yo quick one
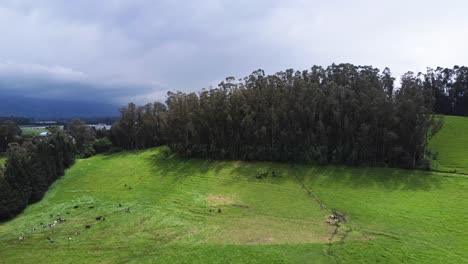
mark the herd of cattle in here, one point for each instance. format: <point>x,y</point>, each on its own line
<point>60,220</point>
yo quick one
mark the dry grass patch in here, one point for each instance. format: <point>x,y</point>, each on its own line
<point>271,230</point>
<point>220,200</point>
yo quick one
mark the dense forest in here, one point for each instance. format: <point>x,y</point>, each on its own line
<point>449,90</point>
<point>34,163</point>
<point>31,168</point>
<point>9,132</point>
<point>342,114</point>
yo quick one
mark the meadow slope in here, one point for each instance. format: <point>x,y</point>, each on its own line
<point>159,208</point>
<point>451,145</point>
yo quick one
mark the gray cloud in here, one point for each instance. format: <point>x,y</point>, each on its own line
<point>125,50</point>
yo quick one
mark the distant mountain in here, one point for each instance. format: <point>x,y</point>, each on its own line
<point>11,105</point>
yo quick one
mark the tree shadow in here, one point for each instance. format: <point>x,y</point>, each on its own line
<point>364,177</point>
<point>178,168</point>
<point>167,164</point>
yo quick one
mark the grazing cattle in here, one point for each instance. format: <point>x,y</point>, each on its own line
<point>219,210</point>
<point>21,238</point>
<point>120,205</point>
<point>69,238</point>
<point>76,206</point>
<point>44,226</point>
<point>91,207</point>
<point>99,218</point>
<point>68,213</point>
<point>33,229</point>
<point>77,233</point>
<point>127,210</point>
<point>88,227</point>
<point>50,216</point>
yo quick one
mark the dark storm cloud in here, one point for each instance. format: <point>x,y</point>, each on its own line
<point>125,50</point>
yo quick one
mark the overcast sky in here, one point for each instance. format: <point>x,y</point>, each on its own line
<point>122,50</point>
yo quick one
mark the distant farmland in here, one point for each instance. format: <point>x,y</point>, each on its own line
<point>33,130</point>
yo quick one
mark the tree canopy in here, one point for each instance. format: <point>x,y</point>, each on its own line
<point>341,114</point>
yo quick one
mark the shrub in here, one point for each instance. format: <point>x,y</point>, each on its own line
<point>102,145</point>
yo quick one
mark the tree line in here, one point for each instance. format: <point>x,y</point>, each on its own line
<point>9,132</point>
<point>30,169</point>
<point>341,114</point>
<point>449,89</point>
<point>34,163</point>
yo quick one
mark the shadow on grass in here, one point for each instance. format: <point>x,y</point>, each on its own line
<point>178,168</point>
<point>383,178</point>
<point>167,164</point>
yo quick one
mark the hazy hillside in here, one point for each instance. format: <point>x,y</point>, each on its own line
<point>43,108</point>
<point>159,208</point>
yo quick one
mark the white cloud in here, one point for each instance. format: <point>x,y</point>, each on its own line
<point>178,45</point>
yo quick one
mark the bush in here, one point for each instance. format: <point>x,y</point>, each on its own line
<point>102,145</point>
<point>86,151</point>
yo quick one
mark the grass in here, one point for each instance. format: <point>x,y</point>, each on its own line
<point>3,159</point>
<point>405,217</point>
<point>451,145</point>
<point>393,215</point>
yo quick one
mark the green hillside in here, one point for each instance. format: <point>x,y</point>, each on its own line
<point>159,208</point>
<point>451,145</point>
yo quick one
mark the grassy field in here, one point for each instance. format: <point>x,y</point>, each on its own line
<point>32,131</point>
<point>161,209</point>
<point>451,145</point>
